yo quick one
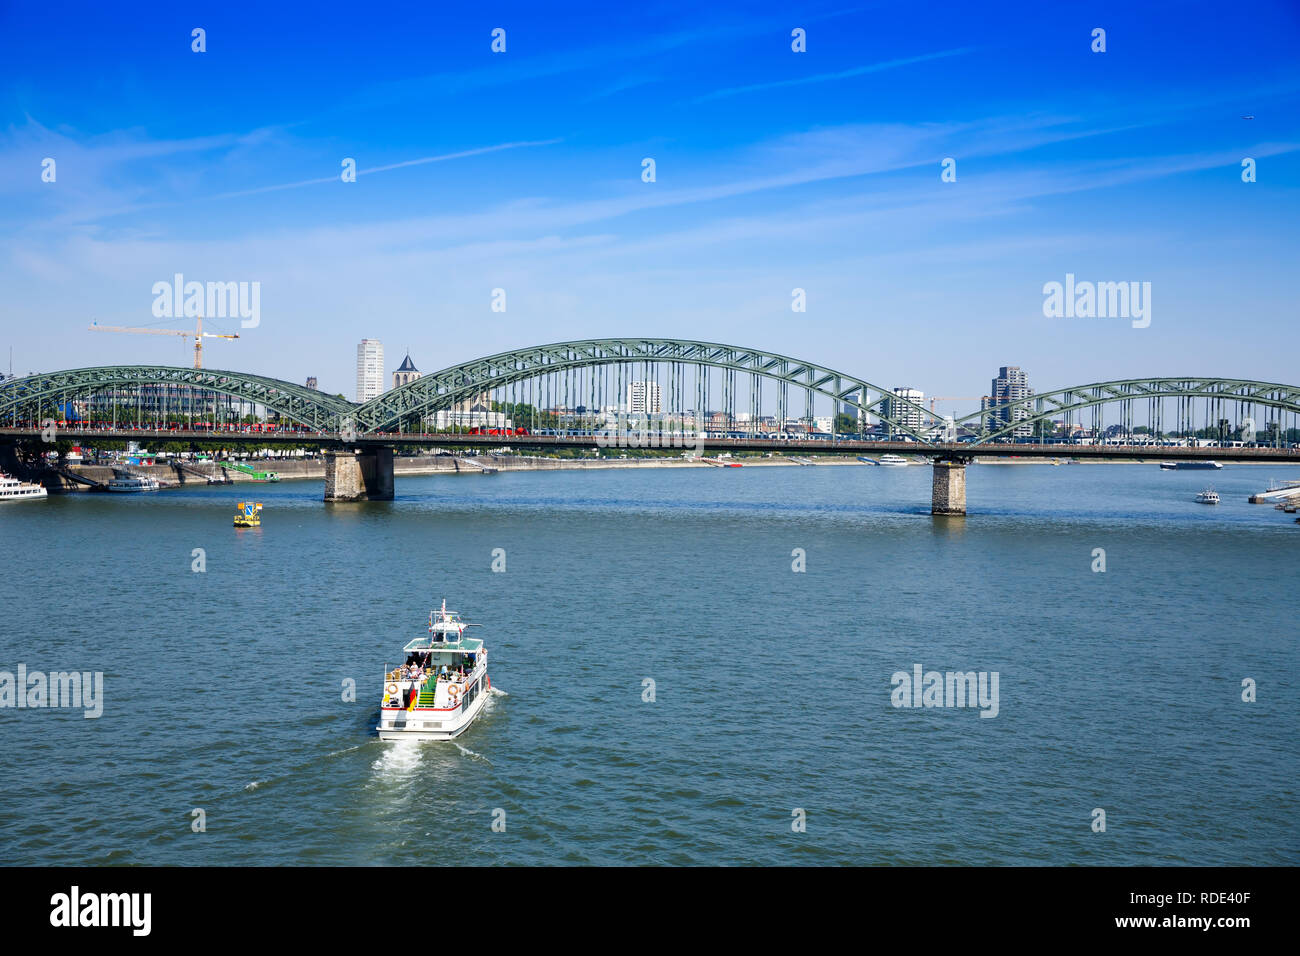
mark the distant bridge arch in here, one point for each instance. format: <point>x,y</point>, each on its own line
<point>1223,394</point>
<point>35,396</point>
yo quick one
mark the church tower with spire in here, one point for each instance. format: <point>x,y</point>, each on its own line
<point>406,372</point>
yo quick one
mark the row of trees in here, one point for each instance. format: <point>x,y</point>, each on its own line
<point>34,447</point>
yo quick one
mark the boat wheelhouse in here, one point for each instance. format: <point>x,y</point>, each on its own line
<point>441,687</point>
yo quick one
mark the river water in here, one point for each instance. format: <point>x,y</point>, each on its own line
<point>771,737</point>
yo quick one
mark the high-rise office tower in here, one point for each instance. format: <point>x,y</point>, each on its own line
<point>370,369</point>
<point>912,417</point>
<point>643,398</point>
<point>1010,385</point>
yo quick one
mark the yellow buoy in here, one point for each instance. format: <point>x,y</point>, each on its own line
<point>249,515</point>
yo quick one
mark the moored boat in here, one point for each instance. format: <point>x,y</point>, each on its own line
<point>893,460</point>
<point>442,686</point>
<point>133,483</point>
<point>11,489</point>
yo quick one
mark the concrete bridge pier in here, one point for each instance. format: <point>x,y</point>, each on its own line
<point>359,474</point>
<point>948,496</point>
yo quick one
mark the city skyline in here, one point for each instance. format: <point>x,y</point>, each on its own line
<point>775,171</point>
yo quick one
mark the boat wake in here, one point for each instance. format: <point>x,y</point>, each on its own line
<point>469,753</point>
<point>399,758</point>
<point>345,750</point>
<point>497,692</point>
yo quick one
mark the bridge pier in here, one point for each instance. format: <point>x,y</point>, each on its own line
<point>359,475</point>
<point>948,495</point>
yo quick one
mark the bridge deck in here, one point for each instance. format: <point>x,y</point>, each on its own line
<point>952,450</point>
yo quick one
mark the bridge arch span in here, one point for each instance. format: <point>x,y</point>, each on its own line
<point>1224,394</point>
<point>34,396</point>
<point>445,389</point>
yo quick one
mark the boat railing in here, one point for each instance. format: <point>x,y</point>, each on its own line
<point>429,681</point>
<point>401,674</point>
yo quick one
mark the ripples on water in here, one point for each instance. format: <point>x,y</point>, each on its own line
<point>224,689</point>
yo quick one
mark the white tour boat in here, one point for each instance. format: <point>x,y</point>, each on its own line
<point>894,460</point>
<point>11,489</point>
<point>442,686</point>
<point>132,483</point>
<point>1208,497</point>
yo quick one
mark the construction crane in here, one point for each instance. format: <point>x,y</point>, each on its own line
<point>198,333</point>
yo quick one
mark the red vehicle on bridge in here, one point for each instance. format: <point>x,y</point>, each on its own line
<point>476,430</point>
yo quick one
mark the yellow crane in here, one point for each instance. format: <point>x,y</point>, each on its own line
<point>198,333</point>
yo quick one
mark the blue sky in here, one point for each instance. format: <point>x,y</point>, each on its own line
<point>775,170</point>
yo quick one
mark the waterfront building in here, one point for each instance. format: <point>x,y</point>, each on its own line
<point>370,369</point>
<point>467,404</point>
<point>477,416</point>
<point>912,417</point>
<point>154,403</point>
<point>643,398</point>
<point>1010,385</point>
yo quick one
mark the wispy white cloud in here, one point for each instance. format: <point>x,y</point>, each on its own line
<point>516,70</point>
<point>421,161</point>
<point>830,77</point>
<point>741,222</point>
<point>94,158</point>
<point>103,178</point>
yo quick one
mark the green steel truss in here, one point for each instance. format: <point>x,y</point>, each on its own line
<point>442,390</point>
<point>28,399</point>
<point>1064,403</point>
<point>31,397</point>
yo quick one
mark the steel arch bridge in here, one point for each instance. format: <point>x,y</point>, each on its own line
<point>32,398</point>
<point>1003,420</point>
<point>460,383</point>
